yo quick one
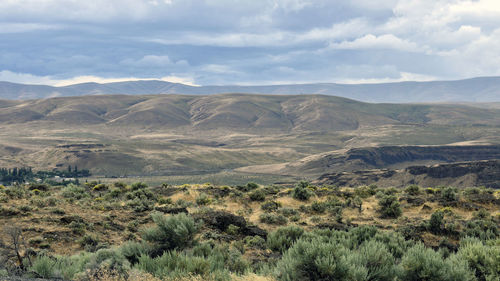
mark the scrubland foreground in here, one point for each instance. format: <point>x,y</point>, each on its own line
<point>115,231</point>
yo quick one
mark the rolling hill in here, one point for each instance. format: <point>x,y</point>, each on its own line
<point>482,89</point>
<point>195,134</point>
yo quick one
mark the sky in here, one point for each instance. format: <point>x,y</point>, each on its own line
<point>248,42</point>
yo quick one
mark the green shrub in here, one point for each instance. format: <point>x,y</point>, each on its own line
<point>288,212</point>
<point>365,191</point>
<point>138,186</point>
<point>100,187</point>
<point>255,242</point>
<point>233,229</point>
<point>74,191</point>
<point>257,195</point>
<point>389,206</point>
<point>282,238</point>
<point>374,261</point>
<point>421,263</point>
<point>203,199</point>
<point>413,189</point>
<point>252,185</point>
<point>173,232</point>
<point>248,187</point>
<point>132,251</point>
<point>270,206</point>
<point>436,222</point>
<point>483,259</point>
<point>449,194</point>
<point>43,267</point>
<point>318,207</point>
<point>302,192</point>
<point>273,219</point>
<point>315,259</point>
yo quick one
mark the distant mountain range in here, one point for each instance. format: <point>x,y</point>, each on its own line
<point>482,89</point>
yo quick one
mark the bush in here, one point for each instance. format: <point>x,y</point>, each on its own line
<point>301,191</point>
<point>389,206</point>
<point>100,187</point>
<point>174,232</point>
<point>436,222</point>
<point>210,263</point>
<point>421,263</point>
<point>255,242</point>
<point>138,186</point>
<point>314,259</point>
<point>273,219</point>
<point>270,206</point>
<point>413,189</point>
<point>203,199</point>
<point>257,195</point>
<point>318,207</point>
<point>365,191</point>
<point>374,261</point>
<point>248,187</point>
<point>283,238</point>
<point>74,191</point>
<point>449,194</point>
<point>482,259</point>
<point>43,267</point>
<point>132,251</point>
<point>288,212</point>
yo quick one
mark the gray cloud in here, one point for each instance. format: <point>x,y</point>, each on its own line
<point>249,42</point>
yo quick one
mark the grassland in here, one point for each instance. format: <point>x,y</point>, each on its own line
<point>244,232</point>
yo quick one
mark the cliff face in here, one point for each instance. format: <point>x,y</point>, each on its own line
<point>391,157</point>
<point>463,174</point>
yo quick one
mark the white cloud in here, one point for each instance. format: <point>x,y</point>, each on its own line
<point>8,27</point>
<point>25,78</point>
<point>386,41</point>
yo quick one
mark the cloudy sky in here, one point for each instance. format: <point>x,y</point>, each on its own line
<point>248,42</point>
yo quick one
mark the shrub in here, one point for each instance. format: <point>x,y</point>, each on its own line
<point>318,207</point>
<point>482,259</point>
<point>283,238</point>
<point>389,206</point>
<point>449,194</point>
<point>74,191</point>
<point>248,187</point>
<point>174,232</point>
<point>252,185</point>
<point>132,251</point>
<point>374,261</point>
<point>421,263</point>
<point>270,206</point>
<point>232,229</point>
<point>436,222</point>
<point>413,189</point>
<point>301,191</point>
<point>255,242</point>
<point>203,199</point>
<point>315,260</point>
<point>365,191</point>
<point>288,212</point>
<point>273,219</point>
<point>138,186</point>
<point>100,187</point>
<point>257,195</point>
<point>43,267</point>
<point>39,186</point>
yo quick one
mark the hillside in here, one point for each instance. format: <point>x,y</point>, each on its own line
<point>180,134</point>
<point>368,158</point>
<point>463,174</point>
<point>482,89</point>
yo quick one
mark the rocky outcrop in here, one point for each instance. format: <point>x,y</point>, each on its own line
<point>462,174</point>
